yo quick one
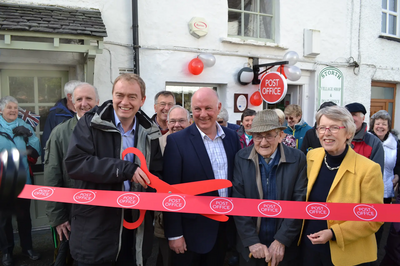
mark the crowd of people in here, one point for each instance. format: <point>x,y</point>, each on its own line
<point>272,155</point>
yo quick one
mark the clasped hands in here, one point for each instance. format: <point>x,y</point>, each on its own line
<point>274,253</point>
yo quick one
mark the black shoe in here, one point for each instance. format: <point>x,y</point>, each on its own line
<point>7,260</point>
<point>33,255</point>
<point>233,260</point>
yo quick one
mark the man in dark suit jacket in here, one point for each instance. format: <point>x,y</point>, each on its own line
<point>205,150</point>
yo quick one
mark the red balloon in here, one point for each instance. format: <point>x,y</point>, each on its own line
<point>256,99</point>
<point>281,70</point>
<point>196,66</point>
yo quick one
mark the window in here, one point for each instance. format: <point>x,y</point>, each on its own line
<point>251,19</point>
<point>183,94</point>
<point>35,91</point>
<point>390,15</point>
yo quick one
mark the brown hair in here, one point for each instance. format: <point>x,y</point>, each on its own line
<point>293,109</point>
<point>132,78</point>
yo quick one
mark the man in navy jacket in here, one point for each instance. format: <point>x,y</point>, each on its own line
<point>203,151</point>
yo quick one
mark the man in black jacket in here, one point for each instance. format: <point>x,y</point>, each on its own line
<point>94,161</point>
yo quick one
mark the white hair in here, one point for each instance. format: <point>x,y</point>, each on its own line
<point>6,100</point>
<point>179,107</point>
<point>80,84</point>
<point>70,86</point>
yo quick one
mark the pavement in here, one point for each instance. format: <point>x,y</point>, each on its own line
<point>42,243</point>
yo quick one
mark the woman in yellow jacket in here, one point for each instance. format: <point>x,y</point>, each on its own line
<point>336,173</point>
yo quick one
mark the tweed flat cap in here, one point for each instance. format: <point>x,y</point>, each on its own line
<point>264,121</point>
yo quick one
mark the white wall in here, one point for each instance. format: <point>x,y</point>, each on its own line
<point>168,47</point>
<point>349,31</point>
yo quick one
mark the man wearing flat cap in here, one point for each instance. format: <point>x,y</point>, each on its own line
<point>270,171</point>
<point>365,143</point>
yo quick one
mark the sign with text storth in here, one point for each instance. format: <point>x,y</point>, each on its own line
<point>330,86</point>
<point>273,87</point>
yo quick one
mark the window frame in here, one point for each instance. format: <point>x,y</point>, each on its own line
<point>387,13</point>
<point>195,87</point>
<point>5,89</point>
<point>274,26</point>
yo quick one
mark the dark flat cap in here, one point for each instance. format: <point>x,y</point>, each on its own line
<point>356,107</point>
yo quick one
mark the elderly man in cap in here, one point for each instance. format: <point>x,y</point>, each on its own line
<point>365,143</point>
<point>268,170</point>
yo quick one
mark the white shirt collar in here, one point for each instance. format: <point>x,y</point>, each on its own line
<point>220,132</point>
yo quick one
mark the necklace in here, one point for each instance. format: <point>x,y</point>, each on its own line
<point>330,168</point>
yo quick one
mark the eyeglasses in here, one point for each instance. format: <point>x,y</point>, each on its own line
<point>163,104</point>
<point>259,137</point>
<point>220,121</point>
<point>180,121</point>
<point>332,129</point>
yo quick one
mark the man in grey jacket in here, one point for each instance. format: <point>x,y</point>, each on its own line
<point>271,171</point>
<point>94,162</point>
<point>84,98</point>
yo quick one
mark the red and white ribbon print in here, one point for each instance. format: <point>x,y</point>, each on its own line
<point>215,205</point>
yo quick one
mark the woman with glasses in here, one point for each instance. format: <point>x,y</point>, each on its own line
<point>296,125</point>
<point>336,173</point>
<point>288,140</point>
<point>271,171</point>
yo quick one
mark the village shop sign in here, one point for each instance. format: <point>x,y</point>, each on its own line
<point>330,86</point>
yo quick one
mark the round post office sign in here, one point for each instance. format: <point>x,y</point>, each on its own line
<point>273,87</point>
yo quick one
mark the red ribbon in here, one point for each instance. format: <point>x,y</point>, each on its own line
<point>207,205</point>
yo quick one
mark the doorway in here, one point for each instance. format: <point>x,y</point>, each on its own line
<point>383,97</point>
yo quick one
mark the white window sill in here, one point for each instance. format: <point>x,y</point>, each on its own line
<point>253,42</point>
<point>389,37</point>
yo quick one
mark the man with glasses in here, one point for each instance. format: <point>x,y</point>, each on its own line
<point>178,119</point>
<point>268,170</point>
<point>163,101</point>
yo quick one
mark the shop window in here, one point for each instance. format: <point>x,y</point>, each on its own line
<point>390,20</point>
<point>183,93</point>
<point>252,19</point>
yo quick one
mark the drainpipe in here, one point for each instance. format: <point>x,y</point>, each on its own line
<point>135,31</point>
